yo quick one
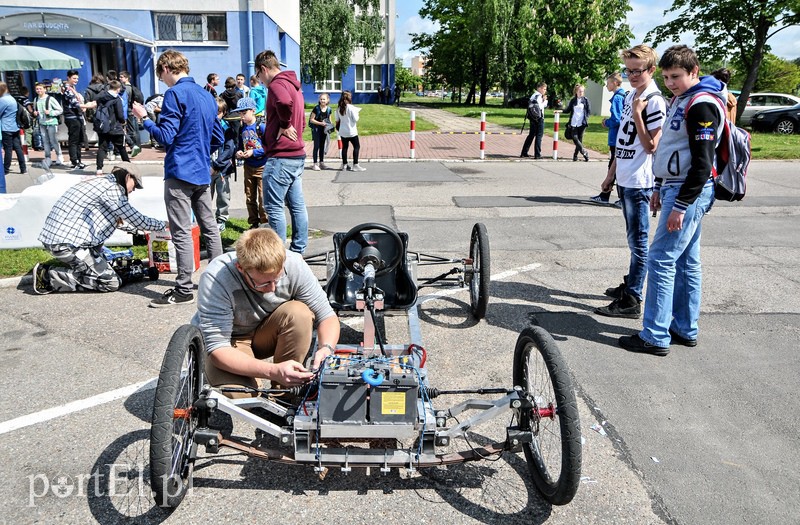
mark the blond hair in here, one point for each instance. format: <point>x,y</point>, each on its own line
<point>173,61</point>
<point>616,78</point>
<point>642,52</point>
<point>262,250</point>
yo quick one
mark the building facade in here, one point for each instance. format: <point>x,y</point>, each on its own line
<point>363,77</point>
<point>219,36</point>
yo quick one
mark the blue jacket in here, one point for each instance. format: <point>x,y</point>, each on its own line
<point>259,94</point>
<point>8,113</point>
<point>189,130</point>
<point>617,101</point>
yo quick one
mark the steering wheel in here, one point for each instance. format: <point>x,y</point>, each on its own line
<point>368,251</point>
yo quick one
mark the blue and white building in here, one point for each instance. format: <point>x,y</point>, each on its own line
<point>217,36</point>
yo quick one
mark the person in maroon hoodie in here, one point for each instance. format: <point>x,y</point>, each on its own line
<point>284,149</point>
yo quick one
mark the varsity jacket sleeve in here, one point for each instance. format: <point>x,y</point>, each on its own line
<point>703,123</point>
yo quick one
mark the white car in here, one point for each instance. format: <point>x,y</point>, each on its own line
<point>761,101</point>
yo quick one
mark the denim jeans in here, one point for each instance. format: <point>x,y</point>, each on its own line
<point>636,210</point>
<point>673,283</point>
<point>13,144</point>
<point>283,183</point>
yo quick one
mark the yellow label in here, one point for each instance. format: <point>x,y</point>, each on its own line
<point>393,403</point>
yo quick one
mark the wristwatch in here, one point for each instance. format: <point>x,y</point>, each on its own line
<point>328,346</point>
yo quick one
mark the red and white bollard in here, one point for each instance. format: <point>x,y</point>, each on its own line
<point>24,144</point>
<point>412,134</point>
<point>339,141</point>
<point>483,134</point>
<point>556,115</point>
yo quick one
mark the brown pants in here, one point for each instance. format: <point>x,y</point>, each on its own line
<point>254,195</point>
<point>284,335</point>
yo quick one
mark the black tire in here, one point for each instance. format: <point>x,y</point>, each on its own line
<point>152,273</point>
<point>481,271</point>
<point>786,126</point>
<point>172,447</point>
<point>554,456</point>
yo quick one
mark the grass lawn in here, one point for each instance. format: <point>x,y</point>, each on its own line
<point>378,119</point>
<point>764,145</point>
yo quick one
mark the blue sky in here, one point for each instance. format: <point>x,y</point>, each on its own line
<point>646,14</point>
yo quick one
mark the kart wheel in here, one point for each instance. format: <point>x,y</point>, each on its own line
<point>152,273</point>
<point>785,126</point>
<point>479,280</point>
<point>172,447</point>
<point>554,455</point>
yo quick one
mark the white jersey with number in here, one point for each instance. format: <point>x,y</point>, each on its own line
<point>634,165</point>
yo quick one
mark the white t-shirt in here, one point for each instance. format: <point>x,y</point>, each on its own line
<point>347,126</point>
<point>634,165</point>
<point>577,113</point>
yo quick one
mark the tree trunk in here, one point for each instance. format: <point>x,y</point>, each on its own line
<point>753,66</point>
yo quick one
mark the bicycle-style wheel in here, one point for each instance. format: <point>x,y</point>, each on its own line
<point>554,455</point>
<point>481,270</point>
<point>172,446</point>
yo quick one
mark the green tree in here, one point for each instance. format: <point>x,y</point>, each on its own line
<point>578,40</point>
<point>777,75</point>
<point>332,30</point>
<point>403,77</point>
<point>739,29</point>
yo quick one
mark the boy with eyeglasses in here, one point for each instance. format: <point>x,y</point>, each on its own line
<point>639,132</point>
<point>260,302</point>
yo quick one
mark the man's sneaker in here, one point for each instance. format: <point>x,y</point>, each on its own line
<point>618,204</point>
<point>41,279</point>
<point>110,156</point>
<point>678,339</point>
<point>599,199</point>
<point>347,167</point>
<point>634,343</point>
<point>315,167</point>
<point>322,166</point>
<point>357,167</point>
<point>135,150</point>
<point>628,307</point>
<point>616,292</point>
<point>78,166</point>
<point>221,226</point>
<point>172,297</point>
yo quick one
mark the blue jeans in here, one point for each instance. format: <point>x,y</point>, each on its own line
<point>283,183</point>
<point>636,210</point>
<point>673,283</point>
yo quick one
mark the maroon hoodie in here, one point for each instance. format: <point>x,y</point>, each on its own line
<point>285,106</point>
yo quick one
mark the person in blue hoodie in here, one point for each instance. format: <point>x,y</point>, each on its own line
<point>189,130</point>
<point>613,85</point>
<point>684,193</point>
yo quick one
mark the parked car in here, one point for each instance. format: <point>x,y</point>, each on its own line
<point>761,101</point>
<point>780,120</point>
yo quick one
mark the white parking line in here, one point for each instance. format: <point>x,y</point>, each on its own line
<point>113,395</point>
<point>75,406</point>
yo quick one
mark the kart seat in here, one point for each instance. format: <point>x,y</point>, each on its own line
<point>399,288</point>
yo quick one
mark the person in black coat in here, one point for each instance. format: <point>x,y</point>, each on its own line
<point>117,117</point>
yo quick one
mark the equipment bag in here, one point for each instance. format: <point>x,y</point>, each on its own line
<point>102,119</point>
<point>534,112</point>
<point>733,158</point>
<point>24,118</point>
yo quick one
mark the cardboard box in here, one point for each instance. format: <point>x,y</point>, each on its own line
<point>161,250</point>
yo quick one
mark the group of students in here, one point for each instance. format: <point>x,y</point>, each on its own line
<point>321,123</point>
<point>663,155</point>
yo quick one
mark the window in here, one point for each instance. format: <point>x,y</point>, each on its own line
<point>332,83</point>
<point>368,78</point>
<point>185,27</point>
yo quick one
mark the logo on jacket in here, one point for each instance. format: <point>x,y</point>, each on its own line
<point>705,131</point>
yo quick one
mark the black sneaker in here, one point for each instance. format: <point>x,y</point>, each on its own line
<point>634,343</point>
<point>616,292</point>
<point>172,297</point>
<point>678,339</point>
<point>41,279</point>
<point>627,306</point>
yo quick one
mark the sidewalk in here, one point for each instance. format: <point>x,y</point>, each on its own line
<point>458,138</point>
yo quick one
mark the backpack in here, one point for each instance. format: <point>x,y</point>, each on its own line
<point>24,118</point>
<point>60,116</point>
<point>102,119</point>
<point>733,158</point>
<point>534,113</point>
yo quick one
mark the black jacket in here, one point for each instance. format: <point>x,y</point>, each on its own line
<point>117,114</point>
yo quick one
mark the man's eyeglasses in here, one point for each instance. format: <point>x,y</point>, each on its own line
<point>634,72</point>
<point>266,284</point>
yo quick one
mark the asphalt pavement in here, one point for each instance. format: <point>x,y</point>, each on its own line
<point>704,435</point>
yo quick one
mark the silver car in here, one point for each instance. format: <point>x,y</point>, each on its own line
<point>761,101</point>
